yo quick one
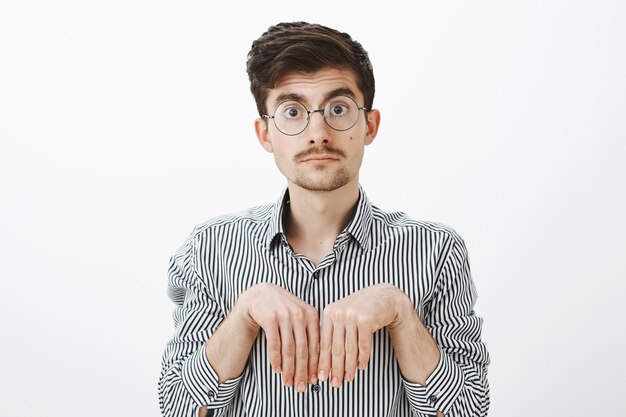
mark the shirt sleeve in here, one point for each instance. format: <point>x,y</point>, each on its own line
<point>188,381</point>
<point>458,386</point>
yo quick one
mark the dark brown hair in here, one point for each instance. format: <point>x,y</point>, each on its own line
<point>304,47</point>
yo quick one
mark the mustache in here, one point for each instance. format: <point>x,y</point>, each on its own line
<point>321,150</point>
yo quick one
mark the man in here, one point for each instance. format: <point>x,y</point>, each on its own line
<point>321,304</point>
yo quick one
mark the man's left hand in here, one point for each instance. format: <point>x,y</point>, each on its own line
<point>347,328</point>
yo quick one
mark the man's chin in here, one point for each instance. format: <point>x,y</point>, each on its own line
<point>327,184</point>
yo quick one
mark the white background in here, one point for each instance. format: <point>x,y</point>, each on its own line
<point>124,123</point>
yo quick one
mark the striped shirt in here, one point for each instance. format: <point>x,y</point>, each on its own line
<point>227,255</point>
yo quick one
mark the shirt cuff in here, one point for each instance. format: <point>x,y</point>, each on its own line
<point>201,382</point>
<point>442,388</point>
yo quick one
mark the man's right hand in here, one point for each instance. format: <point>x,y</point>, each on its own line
<point>291,328</point>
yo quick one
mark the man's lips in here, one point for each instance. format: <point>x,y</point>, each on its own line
<point>320,157</point>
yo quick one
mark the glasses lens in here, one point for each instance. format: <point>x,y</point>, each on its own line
<point>291,117</point>
<point>341,113</point>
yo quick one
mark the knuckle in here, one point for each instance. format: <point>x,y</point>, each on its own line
<point>272,316</point>
<point>363,319</point>
<point>302,352</point>
<point>273,349</point>
<point>298,315</point>
<point>289,349</point>
<point>338,315</point>
<point>273,343</point>
<point>302,372</point>
<point>362,361</point>
<point>338,351</point>
<point>288,367</point>
<point>364,343</point>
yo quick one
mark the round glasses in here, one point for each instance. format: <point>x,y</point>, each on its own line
<point>291,117</point>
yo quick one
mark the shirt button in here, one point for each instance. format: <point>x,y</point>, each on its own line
<point>316,274</point>
<point>211,395</point>
<point>433,398</point>
<point>315,388</point>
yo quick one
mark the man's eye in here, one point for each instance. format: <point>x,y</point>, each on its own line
<point>338,109</point>
<point>292,112</point>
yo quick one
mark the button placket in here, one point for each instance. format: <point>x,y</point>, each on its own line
<point>313,399</point>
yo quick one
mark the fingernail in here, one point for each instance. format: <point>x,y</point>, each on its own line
<point>288,382</point>
<point>346,377</point>
<point>301,386</point>
<point>322,375</point>
<point>335,382</point>
<point>312,379</point>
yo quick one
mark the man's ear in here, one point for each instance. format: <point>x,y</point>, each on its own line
<point>263,134</point>
<point>373,122</point>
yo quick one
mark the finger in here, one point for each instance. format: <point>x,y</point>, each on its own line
<point>351,348</point>
<point>365,347</point>
<point>272,336</point>
<point>313,337</point>
<point>338,356</point>
<point>326,340</point>
<point>301,375</point>
<point>288,352</point>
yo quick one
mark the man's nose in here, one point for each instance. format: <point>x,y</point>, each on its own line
<point>318,130</point>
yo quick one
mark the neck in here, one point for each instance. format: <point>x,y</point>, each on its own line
<point>313,219</point>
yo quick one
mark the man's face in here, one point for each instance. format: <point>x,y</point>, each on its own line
<point>319,158</point>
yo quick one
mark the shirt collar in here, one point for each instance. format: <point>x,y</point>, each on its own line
<point>358,227</point>
<point>275,226</point>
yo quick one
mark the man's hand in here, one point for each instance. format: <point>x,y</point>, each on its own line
<point>296,348</point>
<point>347,328</point>
<point>291,328</point>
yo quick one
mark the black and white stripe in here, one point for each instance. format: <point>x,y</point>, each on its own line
<point>226,255</point>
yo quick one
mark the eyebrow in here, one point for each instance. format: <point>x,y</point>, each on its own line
<point>332,94</point>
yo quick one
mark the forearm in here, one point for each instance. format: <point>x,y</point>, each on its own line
<point>229,347</point>
<point>419,358</point>
<point>415,349</point>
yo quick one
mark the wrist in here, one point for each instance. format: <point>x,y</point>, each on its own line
<point>404,311</point>
<point>241,312</point>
